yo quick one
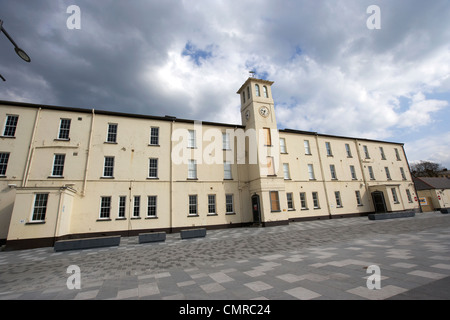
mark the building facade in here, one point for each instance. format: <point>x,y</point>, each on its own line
<point>71,173</point>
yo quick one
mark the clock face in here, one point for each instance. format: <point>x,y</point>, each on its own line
<point>264,111</point>
<point>247,114</point>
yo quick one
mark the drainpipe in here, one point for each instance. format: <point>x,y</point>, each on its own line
<point>362,171</point>
<point>30,150</point>
<point>88,155</point>
<point>323,177</point>
<point>171,178</point>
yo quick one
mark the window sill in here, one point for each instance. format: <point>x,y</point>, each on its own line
<point>8,137</point>
<point>103,219</point>
<point>110,142</point>
<point>212,214</point>
<point>151,218</point>
<point>135,218</point>
<point>316,208</point>
<point>304,209</point>
<point>106,177</point>
<point>275,210</point>
<point>228,179</point>
<point>61,139</point>
<point>35,222</point>
<point>230,213</point>
<point>192,215</point>
<point>153,145</point>
<point>55,177</point>
<point>192,179</point>
<point>152,178</point>
<point>121,218</point>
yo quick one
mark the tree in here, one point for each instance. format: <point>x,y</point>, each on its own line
<point>426,169</point>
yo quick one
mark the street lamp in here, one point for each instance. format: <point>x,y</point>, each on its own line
<point>22,54</point>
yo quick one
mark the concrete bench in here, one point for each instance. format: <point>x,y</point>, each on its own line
<point>193,233</point>
<point>391,215</point>
<point>152,237</point>
<point>86,243</point>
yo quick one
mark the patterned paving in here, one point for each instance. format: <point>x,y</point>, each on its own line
<point>323,259</point>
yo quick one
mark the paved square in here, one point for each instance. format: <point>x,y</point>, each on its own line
<point>322,259</point>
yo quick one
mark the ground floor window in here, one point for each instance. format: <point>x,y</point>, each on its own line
<point>193,205</point>
<point>151,208</point>
<point>137,206</point>
<point>40,207</point>
<point>229,203</point>
<point>290,201</point>
<point>105,207</point>
<point>211,203</point>
<point>274,201</point>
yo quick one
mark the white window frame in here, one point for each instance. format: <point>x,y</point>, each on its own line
<point>58,166</point>
<point>152,206</point>
<point>353,172</point>
<point>358,198</point>
<point>227,174</point>
<point>136,206</point>
<point>39,206</point>
<point>303,201</point>
<point>316,203</point>
<point>9,130</point>
<point>108,166</point>
<point>192,142</point>
<point>105,211</point>
<point>307,147</point>
<point>212,209</point>
<point>328,147</point>
<point>283,145</point>
<point>290,202</point>
<point>228,203</point>
<point>154,136</point>
<point>64,131</point>
<point>337,195</point>
<point>333,172</point>
<point>192,169</point>
<point>4,159</point>
<point>311,172</point>
<point>153,168</point>
<point>193,205</point>
<point>111,137</point>
<point>122,206</point>
<point>287,175</point>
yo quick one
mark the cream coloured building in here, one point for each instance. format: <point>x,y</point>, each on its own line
<point>71,173</point>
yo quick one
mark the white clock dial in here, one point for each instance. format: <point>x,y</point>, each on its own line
<point>264,111</point>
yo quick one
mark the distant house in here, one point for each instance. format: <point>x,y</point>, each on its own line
<point>434,192</point>
<point>444,173</point>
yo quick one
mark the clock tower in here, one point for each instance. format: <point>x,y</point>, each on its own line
<point>257,107</point>
<point>265,178</point>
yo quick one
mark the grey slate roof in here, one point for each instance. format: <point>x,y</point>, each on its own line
<point>427,183</point>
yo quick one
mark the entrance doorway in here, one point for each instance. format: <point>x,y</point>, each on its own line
<point>378,202</point>
<point>256,209</point>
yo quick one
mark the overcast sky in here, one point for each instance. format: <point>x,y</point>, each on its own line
<point>187,59</point>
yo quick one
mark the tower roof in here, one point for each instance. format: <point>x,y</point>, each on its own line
<point>254,80</point>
